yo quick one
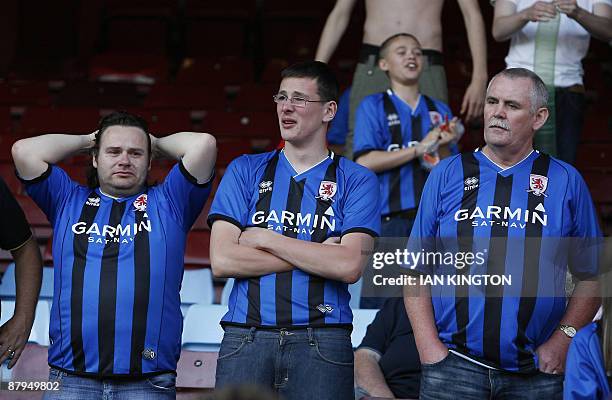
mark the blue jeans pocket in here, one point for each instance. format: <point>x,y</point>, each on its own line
<point>336,352</point>
<point>438,362</point>
<point>165,381</point>
<point>231,345</point>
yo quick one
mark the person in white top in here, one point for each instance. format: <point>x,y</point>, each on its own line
<point>521,20</point>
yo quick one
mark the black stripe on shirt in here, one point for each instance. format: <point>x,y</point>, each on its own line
<point>465,238</point>
<point>107,303</point>
<point>284,280</point>
<point>263,205</point>
<point>79,249</point>
<point>395,202</point>
<point>142,286</point>
<point>316,284</point>
<point>496,265</point>
<point>531,270</point>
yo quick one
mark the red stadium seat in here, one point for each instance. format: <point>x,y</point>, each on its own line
<point>594,156</point>
<point>129,67</point>
<point>7,171</point>
<point>255,97</point>
<point>197,252</point>
<point>78,170</point>
<point>299,25</point>
<point>272,71</point>
<point>206,21</point>
<point>158,172</point>
<point>229,149</point>
<point>599,185</point>
<point>200,222</point>
<point>597,124</point>
<point>245,125</point>
<point>229,70</point>
<point>164,122</point>
<point>139,26</point>
<point>6,142</point>
<point>37,219</point>
<point>25,94</point>
<point>100,94</point>
<point>6,123</point>
<point>39,120</point>
<point>186,97</point>
<point>47,253</point>
<point>196,370</point>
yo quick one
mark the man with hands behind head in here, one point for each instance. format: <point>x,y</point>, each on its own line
<point>118,250</point>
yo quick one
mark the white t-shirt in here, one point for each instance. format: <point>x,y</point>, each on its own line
<point>572,45</point>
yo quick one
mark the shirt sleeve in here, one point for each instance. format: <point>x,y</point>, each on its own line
<point>586,241</point>
<point>50,191</point>
<point>368,130</point>
<point>581,377</point>
<point>15,230</point>
<point>339,126</point>
<point>362,203</point>
<point>185,195</point>
<point>377,333</point>
<point>232,198</point>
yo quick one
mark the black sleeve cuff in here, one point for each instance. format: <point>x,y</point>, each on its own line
<point>215,217</point>
<point>192,179</point>
<point>41,178</point>
<point>362,230</point>
<point>360,153</point>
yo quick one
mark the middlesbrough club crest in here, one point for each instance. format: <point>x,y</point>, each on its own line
<point>436,118</point>
<point>537,184</point>
<point>327,190</point>
<point>140,204</point>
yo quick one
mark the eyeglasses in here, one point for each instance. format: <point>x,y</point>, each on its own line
<point>295,101</point>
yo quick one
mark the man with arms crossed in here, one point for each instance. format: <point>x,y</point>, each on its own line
<point>118,250</point>
<point>494,341</point>
<point>276,220</point>
<point>422,18</point>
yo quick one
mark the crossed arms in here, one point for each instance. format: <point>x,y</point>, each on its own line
<point>259,251</point>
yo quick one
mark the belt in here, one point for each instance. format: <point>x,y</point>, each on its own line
<point>434,57</point>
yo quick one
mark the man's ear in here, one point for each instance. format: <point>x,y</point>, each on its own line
<point>331,107</point>
<point>94,162</point>
<point>541,116</point>
<point>383,65</point>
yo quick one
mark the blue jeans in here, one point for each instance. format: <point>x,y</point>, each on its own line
<point>457,378</point>
<point>75,387</point>
<point>312,363</point>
